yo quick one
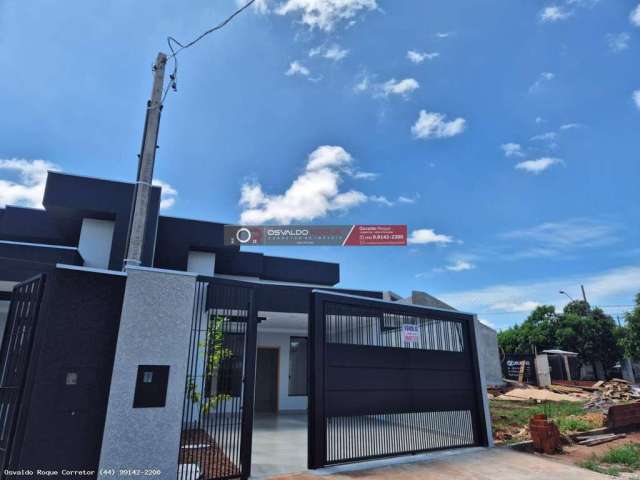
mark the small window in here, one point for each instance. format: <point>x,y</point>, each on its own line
<point>147,377</point>
<point>298,366</point>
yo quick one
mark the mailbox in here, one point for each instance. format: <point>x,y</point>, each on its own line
<point>151,386</point>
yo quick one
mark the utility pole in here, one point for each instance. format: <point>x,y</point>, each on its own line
<point>142,193</point>
<point>584,295</point>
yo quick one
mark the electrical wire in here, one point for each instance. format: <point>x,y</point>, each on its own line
<point>171,41</point>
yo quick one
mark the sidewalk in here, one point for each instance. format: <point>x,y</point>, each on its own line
<point>478,464</point>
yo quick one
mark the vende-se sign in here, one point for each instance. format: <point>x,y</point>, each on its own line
<point>346,235</point>
<point>410,333</point>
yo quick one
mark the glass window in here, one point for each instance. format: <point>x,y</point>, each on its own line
<point>298,366</point>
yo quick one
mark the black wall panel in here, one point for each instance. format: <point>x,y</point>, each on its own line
<point>70,370</point>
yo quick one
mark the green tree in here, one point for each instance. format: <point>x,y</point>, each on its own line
<point>631,339</point>
<point>589,332</point>
<point>537,332</point>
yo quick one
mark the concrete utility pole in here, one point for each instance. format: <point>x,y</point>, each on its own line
<point>146,161</point>
<point>584,295</point>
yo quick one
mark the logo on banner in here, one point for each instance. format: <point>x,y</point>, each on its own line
<point>410,333</point>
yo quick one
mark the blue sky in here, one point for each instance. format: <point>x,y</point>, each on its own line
<point>505,134</point>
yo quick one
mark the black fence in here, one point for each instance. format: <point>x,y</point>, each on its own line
<point>520,368</point>
<point>14,362</point>
<point>217,418</point>
<point>389,379</point>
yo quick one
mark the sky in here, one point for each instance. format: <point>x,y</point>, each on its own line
<point>504,134</point>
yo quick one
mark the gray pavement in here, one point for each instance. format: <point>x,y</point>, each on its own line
<point>279,444</point>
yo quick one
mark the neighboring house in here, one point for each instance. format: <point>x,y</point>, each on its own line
<point>79,241</point>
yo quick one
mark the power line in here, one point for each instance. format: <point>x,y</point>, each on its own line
<point>171,41</point>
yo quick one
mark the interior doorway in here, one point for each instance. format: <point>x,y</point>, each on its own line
<point>266,396</point>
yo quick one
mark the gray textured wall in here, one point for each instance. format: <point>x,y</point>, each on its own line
<point>154,330</point>
<point>490,355</point>
<point>479,329</point>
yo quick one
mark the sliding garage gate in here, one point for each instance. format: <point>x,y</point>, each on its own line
<point>389,379</point>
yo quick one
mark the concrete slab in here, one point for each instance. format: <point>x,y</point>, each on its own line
<point>469,464</point>
<point>279,444</point>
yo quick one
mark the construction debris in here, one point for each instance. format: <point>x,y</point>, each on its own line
<point>611,393</point>
<point>592,440</point>
<point>539,394</point>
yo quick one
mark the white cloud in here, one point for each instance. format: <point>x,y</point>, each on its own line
<point>567,235</point>
<point>423,236</point>
<point>610,286</point>
<point>334,52</point>
<point>358,175</point>
<point>328,156</point>
<point>554,13</point>
<point>419,57</point>
<point>390,203</point>
<point>168,196</point>
<point>512,149</point>
<point>405,199</point>
<point>434,125</point>
<point>28,188</point>
<point>381,199</point>
<point>634,16</point>
<point>363,85</point>
<point>636,98</point>
<point>526,306</point>
<point>403,87</point>
<point>442,34</point>
<point>539,165</point>
<point>325,14</point>
<point>296,68</point>
<point>570,126</point>
<point>618,42</point>
<point>542,79</point>
<point>548,136</point>
<point>313,194</point>
<point>460,266</point>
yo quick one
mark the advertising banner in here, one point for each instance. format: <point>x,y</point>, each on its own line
<point>344,235</point>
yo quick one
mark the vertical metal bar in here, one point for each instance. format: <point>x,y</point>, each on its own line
<point>317,426</point>
<point>249,385</point>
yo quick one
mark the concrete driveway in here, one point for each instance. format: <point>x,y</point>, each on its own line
<point>469,464</point>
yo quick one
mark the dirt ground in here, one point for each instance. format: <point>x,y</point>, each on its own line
<point>576,454</point>
<point>511,418</point>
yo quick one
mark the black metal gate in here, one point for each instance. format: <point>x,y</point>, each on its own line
<point>217,417</point>
<point>14,361</point>
<point>389,379</point>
